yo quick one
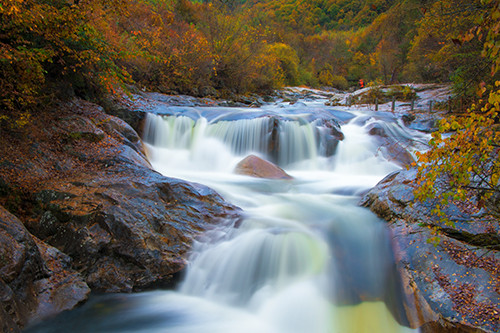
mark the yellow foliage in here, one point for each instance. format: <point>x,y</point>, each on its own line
<point>468,160</point>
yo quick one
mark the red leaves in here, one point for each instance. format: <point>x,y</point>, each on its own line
<point>479,312</point>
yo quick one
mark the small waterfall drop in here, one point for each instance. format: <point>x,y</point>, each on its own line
<point>283,141</point>
<point>241,269</point>
<point>243,136</point>
<point>359,154</point>
<point>297,142</point>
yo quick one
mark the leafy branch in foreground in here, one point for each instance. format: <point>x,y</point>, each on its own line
<point>464,166</point>
<point>48,44</point>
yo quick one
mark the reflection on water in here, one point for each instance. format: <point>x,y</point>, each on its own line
<point>305,259</point>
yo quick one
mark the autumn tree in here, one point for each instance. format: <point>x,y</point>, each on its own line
<point>287,61</point>
<point>439,54</point>
<point>233,45</point>
<point>166,52</point>
<point>464,168</point>
<point>49,48</point>
<point>330,52</point>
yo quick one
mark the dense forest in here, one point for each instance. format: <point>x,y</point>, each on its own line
<point>61,48</point>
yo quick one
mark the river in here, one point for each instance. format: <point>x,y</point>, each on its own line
<point>305,258</point>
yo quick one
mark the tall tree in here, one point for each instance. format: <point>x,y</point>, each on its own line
<point>46,45</point>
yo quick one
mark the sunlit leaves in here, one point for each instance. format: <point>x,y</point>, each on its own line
<point>463,166</point>
<point>490,23</point>
<point>444,49</point>
<point>234,46</point>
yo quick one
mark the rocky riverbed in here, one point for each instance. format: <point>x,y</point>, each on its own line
<point>81,209</point>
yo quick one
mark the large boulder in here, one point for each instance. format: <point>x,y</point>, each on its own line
<point>36,280</point>
<point>454,283</point>
<point>128,227</point>
<point>257,167</point>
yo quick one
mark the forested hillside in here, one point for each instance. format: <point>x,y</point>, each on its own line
<point>61,48</point>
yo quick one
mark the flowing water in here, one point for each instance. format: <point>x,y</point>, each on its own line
<point>306,258</point>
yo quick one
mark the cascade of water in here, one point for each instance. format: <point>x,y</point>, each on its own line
<point>358,154</point>
<point>243,136</point>
<point>297,140</point>
<point>299,240</point>
<point>233,271</point>
<point>305,259</point>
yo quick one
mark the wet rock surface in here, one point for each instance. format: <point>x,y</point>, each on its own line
<point>36,280</point>
<point>421,121</point>
<point>127,229</point>
<point>391,148</point>
<point>20,266</point>
<point>86,200</point>
<point>454,284</point>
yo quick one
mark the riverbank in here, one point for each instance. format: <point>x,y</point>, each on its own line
<point>455,281</point>
<point>83,209</point>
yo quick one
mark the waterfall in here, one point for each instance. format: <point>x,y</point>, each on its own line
<point>306,258</point>
<point>358,154</point>
<point>235,271</point>
<point>283,141</point>
<point>304,242</point>
<point>297,142</point>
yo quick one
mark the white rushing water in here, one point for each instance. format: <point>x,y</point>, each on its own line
<point>305,259</point>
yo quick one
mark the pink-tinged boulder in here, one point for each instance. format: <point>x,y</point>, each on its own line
<point>257,167</point>
<point>452,286</point>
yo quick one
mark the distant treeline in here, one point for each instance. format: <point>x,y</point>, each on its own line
<point>57,48</point>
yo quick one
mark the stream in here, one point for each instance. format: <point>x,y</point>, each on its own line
<point>305,258</point>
